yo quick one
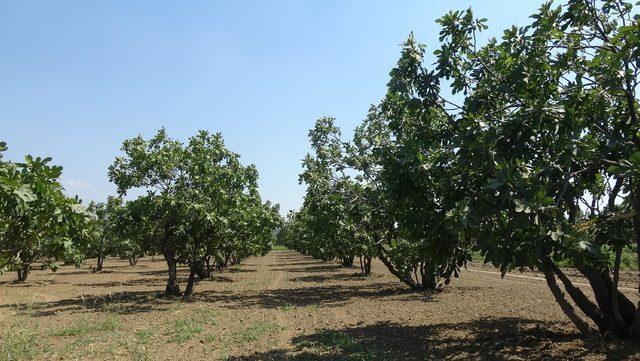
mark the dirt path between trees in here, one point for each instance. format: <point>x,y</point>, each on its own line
<point>286,306</point>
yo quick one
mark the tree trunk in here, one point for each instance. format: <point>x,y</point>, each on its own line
<point>23,272</point>
<point>207,261</point>
<point>347,261</point>
<point>405,279</point>
<point>173,288</point>
<point>226,260</point>
<point>367,265</point>
<point>635,194</point>
<point>566,307</point>
<point>428,275</point>
<point>100,263</point>
<point>579,298</point>
<point>189,290</point>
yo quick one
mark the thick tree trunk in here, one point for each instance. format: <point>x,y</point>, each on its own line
<point>173,288</point>
<point>23,272</point>
<point>428,275</point>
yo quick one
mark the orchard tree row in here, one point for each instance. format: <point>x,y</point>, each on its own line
<point>525,149</point>
<point>199,206</point>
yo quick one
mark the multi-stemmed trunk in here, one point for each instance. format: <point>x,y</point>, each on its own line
<point>425,276</point>
<point>196,268</point>
<point>347,261</point>
<point>23,272</point>
<point>612,313</point>
<point>365,264</point>
<point>133,260</point>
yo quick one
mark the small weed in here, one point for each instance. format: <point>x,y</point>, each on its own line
<point>19,344</point>
<point>288,307</point>
<point>183,330</point>
<point>141,355</point>
<point>112,323</point>
<point>207,315</point>
<point>84,327</point>
<point>339,344</point>
<point>144,336</point>
<point>209,337</point>
<point>255,331</point>
<point>80,328</point>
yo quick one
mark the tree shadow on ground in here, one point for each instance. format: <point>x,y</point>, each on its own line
<point>285,264</point>
<point>217,277</point>
<point>323,296</point>
<point>238,270</point>
<point>124,303</point>
<point>306,268</point>
<point>147,281</point>
<point>133,302</point>
<point>330,277</point>
<point>486,339</point>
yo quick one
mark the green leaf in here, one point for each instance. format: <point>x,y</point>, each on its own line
<point>25,193</point>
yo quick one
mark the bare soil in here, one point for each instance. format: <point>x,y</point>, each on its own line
<point>286,306</point>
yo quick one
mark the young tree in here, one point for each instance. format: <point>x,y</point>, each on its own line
<point>104,229</point>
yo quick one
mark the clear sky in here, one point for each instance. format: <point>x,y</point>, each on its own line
<point>79,77</point>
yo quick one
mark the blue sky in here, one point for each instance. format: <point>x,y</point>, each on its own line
<point>79,77</point>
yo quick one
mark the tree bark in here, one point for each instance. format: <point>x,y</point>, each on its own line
<point>566,307</point>
<point>635,196</point>
<point>347,261</point>
<point>367,265</point>
<point>580,299</point>
<point>207,261</point>
<point>403,278</point>
<point>189,290</point>
<point>23,272</point>
<point>173,288</point>
<point>100,263</point>
<point>428,277</point>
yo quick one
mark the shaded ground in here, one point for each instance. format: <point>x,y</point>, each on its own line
<point>286,306</point>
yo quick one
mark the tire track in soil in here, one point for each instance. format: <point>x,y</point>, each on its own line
<point>511,276</point>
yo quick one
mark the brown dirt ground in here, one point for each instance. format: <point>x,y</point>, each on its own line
<point>286,306</point>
